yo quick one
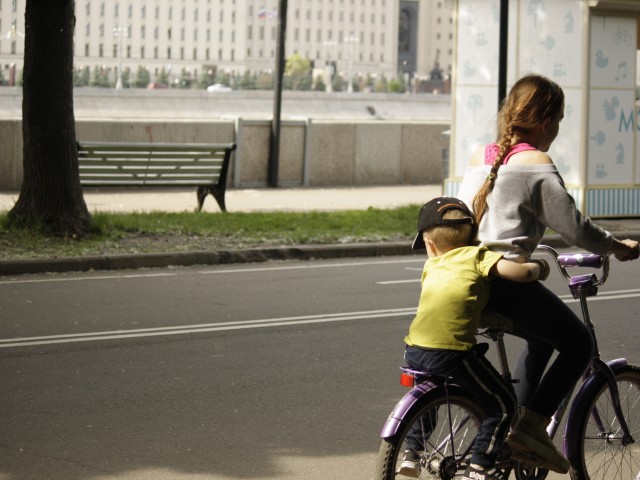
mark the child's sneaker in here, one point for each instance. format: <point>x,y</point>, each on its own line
<point>530,438</point>
<point>410,466</point>
<point>476,472</point>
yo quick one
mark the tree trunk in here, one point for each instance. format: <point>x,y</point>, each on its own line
<point>51,195</point>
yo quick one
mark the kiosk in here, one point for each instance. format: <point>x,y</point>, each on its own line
<point>590,48</point>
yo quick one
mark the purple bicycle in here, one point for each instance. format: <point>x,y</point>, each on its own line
<point>602,423</point>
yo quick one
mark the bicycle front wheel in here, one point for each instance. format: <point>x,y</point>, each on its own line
<point>432,444</point>
<point>602,453</point>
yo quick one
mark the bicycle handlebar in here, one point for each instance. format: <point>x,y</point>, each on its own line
<point>591,260</point>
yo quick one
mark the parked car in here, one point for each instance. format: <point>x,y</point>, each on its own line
<point>219,87</point>
<point>156,85</point>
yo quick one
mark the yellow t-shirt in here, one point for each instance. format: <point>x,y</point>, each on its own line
<point>455,289</point>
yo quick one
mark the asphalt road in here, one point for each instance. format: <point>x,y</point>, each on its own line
<point>282,370</point>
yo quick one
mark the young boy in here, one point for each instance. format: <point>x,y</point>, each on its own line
<point>455,287</point>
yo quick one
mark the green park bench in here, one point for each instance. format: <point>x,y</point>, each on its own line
<point>115,164</point>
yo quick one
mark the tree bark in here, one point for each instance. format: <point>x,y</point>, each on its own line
<point>51,196</point>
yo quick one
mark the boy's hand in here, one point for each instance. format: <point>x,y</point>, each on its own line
<point>544,268</point>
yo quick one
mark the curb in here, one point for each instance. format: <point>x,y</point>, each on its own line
<point>186,259</point>
<point>224,257</point>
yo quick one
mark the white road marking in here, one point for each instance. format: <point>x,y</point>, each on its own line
<point>207,327</point>
<point>62,279</point>
<point>247,324</point>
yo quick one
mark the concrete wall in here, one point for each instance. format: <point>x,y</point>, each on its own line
<point>323,153</point>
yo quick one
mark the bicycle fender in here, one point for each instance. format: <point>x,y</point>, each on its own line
<point>403,408</point>
<point>571,433</point>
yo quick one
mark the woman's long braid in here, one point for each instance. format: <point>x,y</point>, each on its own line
<point>480,200</point>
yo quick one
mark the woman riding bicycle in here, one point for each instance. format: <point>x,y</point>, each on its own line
<point>516,193</point>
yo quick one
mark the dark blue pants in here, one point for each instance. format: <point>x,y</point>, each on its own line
<point>547,324</point>
<point>483,382</point>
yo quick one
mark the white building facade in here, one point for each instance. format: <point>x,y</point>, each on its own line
<point>356,36</point>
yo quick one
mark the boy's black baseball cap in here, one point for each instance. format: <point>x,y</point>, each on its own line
<point>431,216</point>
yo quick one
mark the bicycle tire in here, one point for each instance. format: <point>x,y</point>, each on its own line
<point>437,462</point>
<point>600,454</point>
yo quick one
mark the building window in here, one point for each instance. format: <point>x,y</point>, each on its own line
<point>86,49</point>
<point>115,10</point>
<point>142,52</point>
<point>128,51</point>
<point>169,53</point>
<point>115,51</point>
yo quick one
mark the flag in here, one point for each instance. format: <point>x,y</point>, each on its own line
<point>273,13</point>
<point>262,12</point>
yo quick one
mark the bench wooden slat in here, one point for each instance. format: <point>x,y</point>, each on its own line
<point>157,164</point>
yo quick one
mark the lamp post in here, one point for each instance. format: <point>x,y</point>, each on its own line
<point>330,44</point>
<point>120,32</point>
<point>12,35</point>
<point>351,40</point>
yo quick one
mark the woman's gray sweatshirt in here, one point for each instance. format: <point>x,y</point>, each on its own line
<point>525,200</point>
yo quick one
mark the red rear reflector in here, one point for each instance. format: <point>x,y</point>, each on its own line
<point>406,380</point>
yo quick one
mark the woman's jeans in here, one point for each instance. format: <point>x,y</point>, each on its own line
<point>546,324</point>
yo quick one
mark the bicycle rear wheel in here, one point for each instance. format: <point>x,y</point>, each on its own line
<point>602,453</point>
<point>443,447</point>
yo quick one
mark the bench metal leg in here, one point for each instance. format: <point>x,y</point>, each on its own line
<point>216,192</point>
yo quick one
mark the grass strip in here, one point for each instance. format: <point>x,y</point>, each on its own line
<point>160,232</point>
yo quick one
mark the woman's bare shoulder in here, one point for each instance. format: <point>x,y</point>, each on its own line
<point>530,157</point>
<point>477,158</point>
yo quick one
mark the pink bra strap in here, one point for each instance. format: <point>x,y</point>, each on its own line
<point>491,152</point>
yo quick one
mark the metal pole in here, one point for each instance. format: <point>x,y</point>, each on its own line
<point>274,145</point>
<point>504,40</point>
<point>119,32</point>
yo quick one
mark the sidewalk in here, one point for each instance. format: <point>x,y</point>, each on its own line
<point>252,200</point>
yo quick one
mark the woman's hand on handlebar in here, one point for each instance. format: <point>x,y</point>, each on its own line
<point>625,250</point>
